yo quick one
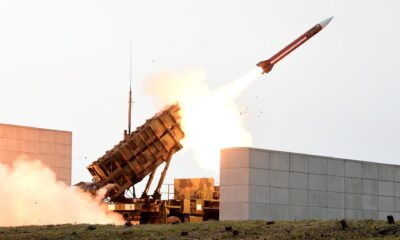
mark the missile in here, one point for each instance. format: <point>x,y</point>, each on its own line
<point>269,63</point>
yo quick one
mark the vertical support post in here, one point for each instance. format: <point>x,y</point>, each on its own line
<point>157,194</point>
<point>146,190</point>
<point>168,191</point>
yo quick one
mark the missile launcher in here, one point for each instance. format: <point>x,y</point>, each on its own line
<point>138,154</point>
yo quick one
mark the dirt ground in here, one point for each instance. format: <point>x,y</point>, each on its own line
<point>362,229</point>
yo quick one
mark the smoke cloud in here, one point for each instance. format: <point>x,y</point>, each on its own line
<point>31,195</point>
<point>210,118</point>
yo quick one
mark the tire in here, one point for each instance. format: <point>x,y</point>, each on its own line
<point>173,220</point>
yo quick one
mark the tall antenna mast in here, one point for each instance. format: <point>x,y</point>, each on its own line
<point>130,88</point>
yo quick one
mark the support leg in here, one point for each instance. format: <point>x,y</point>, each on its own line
<point>146,190</point>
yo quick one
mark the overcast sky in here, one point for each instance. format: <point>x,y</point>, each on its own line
<point>65,65</point>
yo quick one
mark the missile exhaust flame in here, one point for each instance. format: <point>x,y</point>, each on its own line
<point>210,119</point>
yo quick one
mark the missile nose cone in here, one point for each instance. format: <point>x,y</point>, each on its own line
<point>325,22</point>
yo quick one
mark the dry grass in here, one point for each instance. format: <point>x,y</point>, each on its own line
<point>363,229</point>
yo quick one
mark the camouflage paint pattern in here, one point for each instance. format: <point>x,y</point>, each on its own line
<point>140,153</point>
<point>194,188</point>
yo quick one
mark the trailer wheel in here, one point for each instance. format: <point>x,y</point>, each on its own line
<point>173,220</point>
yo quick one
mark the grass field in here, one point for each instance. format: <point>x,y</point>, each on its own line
<point>363,229</point>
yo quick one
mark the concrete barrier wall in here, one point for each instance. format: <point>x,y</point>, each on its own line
<point>52,147</point>
<point>272,185</point>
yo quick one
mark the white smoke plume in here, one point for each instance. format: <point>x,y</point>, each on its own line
<point>31,195</point>
<point>210,118</point>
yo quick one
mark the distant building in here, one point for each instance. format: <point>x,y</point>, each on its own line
<point>273,185</point>
<point>52,147</point>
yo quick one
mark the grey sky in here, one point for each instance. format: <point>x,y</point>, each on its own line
<point>65,65</point>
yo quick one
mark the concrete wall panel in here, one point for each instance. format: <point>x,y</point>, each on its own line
<point>386,172</point>
<point>233,211</point>
<point>279,161</point>
<point>298,213</point>
<point>279,178</point>
<point>334,213</point>
<point>317,182</point>
<point>352,201</point>
<point>396,173</point>
<point>317,165</point>
<point>238,194</point>
<point>47,148</point>
<point>335,183</point>
<point>397,189</point>
<point>370,202</point>
<point>317,213</point>
<point>298,197</point>
<point>287,186</point>
<point>258,211</point>
<point>8,131</point>
<point>47,136</point>
<point>298,163</point>
<point>397,205</point>
<point>352,169</point>
<point>366,214</point>
<point>63,138</point>
<point>235,158</point>
<point>259,176</point>
<point>298,180</point>
<point>386,188</point>
<point>28,143</point>
<point>369,170</point>
<point>335,167</point>
<point>63,150</point>
<point>370,187</point>
<point>386,203</point>
<point>279,195</point>
<point>352,185</point>
<point>258,194</point>
<point>317,198</point>
<point>234,176</point>
<point>259,159</point>
<point>8,156</point>
<point>335,200</point>
<point>279,212</point>
<point>27,133</point>
<point>352,214</point>
<point>62,161</point>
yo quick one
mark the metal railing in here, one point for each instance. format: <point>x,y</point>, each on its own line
<point>167,193</point>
